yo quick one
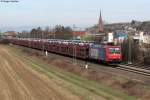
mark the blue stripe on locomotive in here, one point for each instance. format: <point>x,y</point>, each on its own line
<point>101,52</point>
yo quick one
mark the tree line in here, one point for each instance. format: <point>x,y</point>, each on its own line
<point>59,32</point>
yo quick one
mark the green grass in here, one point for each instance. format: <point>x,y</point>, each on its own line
<point>91,86</point>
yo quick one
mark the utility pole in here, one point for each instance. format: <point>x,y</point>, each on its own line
<point>42,41</point>
<point>129,50</point>
<point>74,48</point>
<point>74,30</point>
<point>29,37</point>
<point>148,37</point>
<point>0,34</point>
<point>54,34</point>
<point>74,54</point>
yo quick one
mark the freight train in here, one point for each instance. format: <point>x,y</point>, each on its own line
<point>80,49</point>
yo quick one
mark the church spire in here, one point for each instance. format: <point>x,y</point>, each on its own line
<point>100,24</point>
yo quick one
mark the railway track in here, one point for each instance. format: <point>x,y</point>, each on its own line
<point>138,73</point>
<point>139,65</point>
<point>139,69</point>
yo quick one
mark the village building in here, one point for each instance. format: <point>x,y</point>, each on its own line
<point>142,37</point>
<point>78,33</point>
<point>9,34</point>
<point>120,36</point>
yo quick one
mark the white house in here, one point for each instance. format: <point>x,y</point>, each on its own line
<point>142,38</point>
<point>110,37</point>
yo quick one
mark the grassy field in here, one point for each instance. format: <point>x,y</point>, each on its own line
<point>79,87</point>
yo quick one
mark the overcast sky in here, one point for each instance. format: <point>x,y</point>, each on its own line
<point>69,12</point>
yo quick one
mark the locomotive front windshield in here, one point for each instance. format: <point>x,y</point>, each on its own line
<point>114,50</point>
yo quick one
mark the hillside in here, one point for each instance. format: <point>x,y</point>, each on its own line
<point>144,26</point>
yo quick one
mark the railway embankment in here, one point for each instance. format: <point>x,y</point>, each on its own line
<point>127,86</point>
<point>24,76</point>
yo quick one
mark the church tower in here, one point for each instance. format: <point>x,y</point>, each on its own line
<point>100,24</point>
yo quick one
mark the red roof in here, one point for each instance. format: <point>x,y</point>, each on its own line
<point>78,33</point>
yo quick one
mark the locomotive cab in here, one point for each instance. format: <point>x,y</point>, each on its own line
<point>113,54</point>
